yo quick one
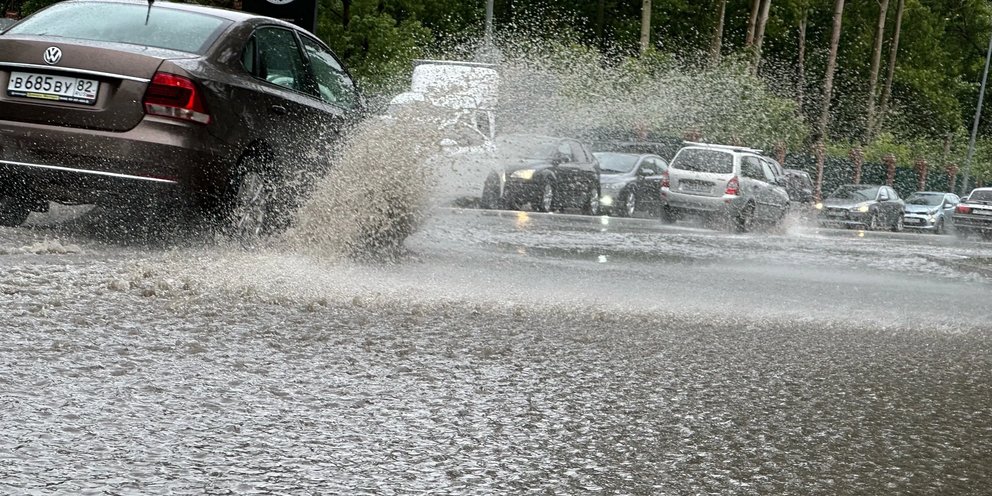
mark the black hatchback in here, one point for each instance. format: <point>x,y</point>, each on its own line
<point>548,173</point>
<point>115,102</point>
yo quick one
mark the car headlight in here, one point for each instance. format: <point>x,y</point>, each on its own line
<point>862,207</point>
<point>525,174</point>
<point>606,201</point>
<point>818,206</point>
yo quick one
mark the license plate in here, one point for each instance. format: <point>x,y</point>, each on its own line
<point>981,212</point>
<point>912,220</point>
<point>53,88</point>
<point>695,187</point>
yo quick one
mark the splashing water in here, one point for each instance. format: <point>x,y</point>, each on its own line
<point>375,195</point>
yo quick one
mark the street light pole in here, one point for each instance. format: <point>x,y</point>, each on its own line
<point>489,27</point>
<point>974,126</point>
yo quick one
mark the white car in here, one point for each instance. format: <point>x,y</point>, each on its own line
<point>733,185</point>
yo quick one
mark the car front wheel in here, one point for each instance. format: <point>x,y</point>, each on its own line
<point>630,204</point>
<point>872,223</point>
<point>546,202</point>
<point>897,227</point>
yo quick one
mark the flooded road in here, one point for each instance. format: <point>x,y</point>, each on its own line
<point>506,353</point>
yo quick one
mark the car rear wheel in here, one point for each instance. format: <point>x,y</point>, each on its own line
<point>546,202</point>
<point>591,205</point>
<point>490,194</point>
<point>630,204</point>
<point>13,212</point>
<point>667,215</point>
<point>744,221</point>
<point>250,217</point>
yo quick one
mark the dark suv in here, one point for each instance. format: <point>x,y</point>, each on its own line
<point>215,109</point>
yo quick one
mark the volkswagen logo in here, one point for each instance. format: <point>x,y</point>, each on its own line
<point>53,55</point>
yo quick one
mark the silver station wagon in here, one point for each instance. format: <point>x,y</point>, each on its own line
<point>729,185</point>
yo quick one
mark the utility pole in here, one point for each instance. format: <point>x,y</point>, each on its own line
<point>974,126</point>
<point>645,25</point>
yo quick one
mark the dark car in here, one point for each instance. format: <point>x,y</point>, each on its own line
<point>548,173</point>
<point>974,215</point>
<point>111,102</point>
<point>630,183</point>
<point>799,186</point>
<point>868,206</point>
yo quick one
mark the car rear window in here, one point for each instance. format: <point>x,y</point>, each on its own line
<point>701,160</point>
<point>125,23</point>
<point>980,196</point>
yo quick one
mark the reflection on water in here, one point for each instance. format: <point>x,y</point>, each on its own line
<point>523,220</point>
<point>602,259</point>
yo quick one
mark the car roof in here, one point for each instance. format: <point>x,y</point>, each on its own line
<point>627,153</point>
<point>228,14</point>
<point>731,148</point>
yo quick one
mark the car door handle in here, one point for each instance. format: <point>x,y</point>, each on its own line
<point>278,110</point>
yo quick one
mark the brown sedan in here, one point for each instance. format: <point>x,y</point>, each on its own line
<point>118,102</point>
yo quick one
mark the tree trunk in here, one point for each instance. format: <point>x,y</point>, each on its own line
<point>751,21</point>
<point>828,81</point>
<point>893,55</point>
<point>801,64</point>
<point>717,44</point>
<point>645,25</point>
<point>345,13</point>
<point>759,33</point>
<point>876,62</point>
<point>828,87</point>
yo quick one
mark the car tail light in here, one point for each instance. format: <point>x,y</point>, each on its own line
<point>169,95</point>
<point>962,209</point>
<point>665,181</point>
<point>733,186</point>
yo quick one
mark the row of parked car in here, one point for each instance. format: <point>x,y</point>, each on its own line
<point>880,207</point>
<point>731,186</point>
<point>734,186</point>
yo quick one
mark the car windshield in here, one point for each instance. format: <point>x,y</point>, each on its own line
<point>125,23</point>
<point>981,196</point>
<point>855,192</point>
<point>616,163</point>
<point>702,160</point>
<point>922,199</point>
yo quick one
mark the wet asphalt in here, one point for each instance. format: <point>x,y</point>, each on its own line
<point>503,353</point>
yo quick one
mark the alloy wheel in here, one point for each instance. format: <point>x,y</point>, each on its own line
<point>547,197</point>
<point>630,206</point>
<point>249,215</point>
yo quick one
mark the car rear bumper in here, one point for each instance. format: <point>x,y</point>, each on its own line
<point>703,205</point>
<point>73,165</point>
<point>972,222</point>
